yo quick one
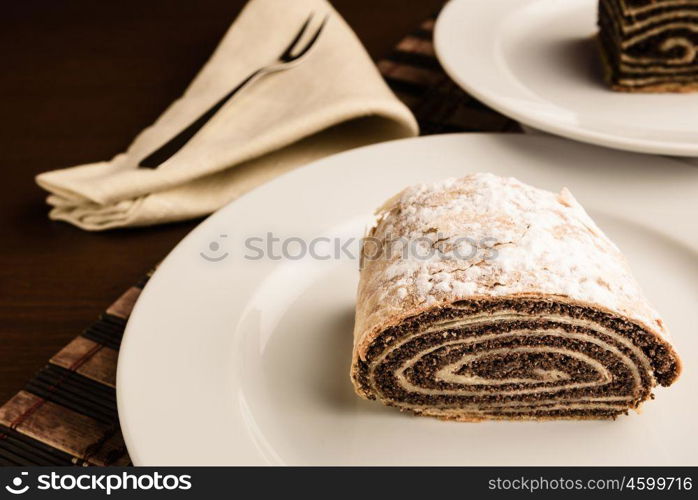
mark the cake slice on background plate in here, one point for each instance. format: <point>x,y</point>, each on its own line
<point>649,45</point>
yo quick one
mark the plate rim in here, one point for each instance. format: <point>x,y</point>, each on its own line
<point>569,131</point>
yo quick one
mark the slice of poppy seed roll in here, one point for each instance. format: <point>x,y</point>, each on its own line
<point>485,298</point>
<point>650,45</point>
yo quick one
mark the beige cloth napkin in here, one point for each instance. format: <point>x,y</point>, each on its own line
<point>332,101</point>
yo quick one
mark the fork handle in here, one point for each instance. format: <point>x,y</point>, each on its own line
<point>171,147</point>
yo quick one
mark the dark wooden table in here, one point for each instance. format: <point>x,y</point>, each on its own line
<point>80,79</point>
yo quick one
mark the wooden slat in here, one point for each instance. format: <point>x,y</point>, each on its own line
<point>416,45</point>
<point>124,305</point>
<point>63,429</point>
<point>410,74</point>
<point>90,359</point>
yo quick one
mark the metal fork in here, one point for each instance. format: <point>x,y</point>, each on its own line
<point>288,58</point>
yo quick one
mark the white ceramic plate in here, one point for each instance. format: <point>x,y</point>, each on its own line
<point>247,361</point>
<point>536,61</point>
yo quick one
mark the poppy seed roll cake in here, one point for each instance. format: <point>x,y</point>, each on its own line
<point>485,298</point>
<point>650,45</point>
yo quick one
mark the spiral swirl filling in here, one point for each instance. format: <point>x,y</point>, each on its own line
<point>515,359</point>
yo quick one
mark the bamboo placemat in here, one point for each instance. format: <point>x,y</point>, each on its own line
<point>66,414</point>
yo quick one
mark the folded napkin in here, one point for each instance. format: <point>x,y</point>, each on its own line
<point>334,100</point>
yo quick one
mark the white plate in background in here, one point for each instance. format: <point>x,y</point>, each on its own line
<point>247,361</point>
<point>537,62</point>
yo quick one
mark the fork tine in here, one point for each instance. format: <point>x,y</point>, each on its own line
<point>311,42</point>
<point>287,53</point>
